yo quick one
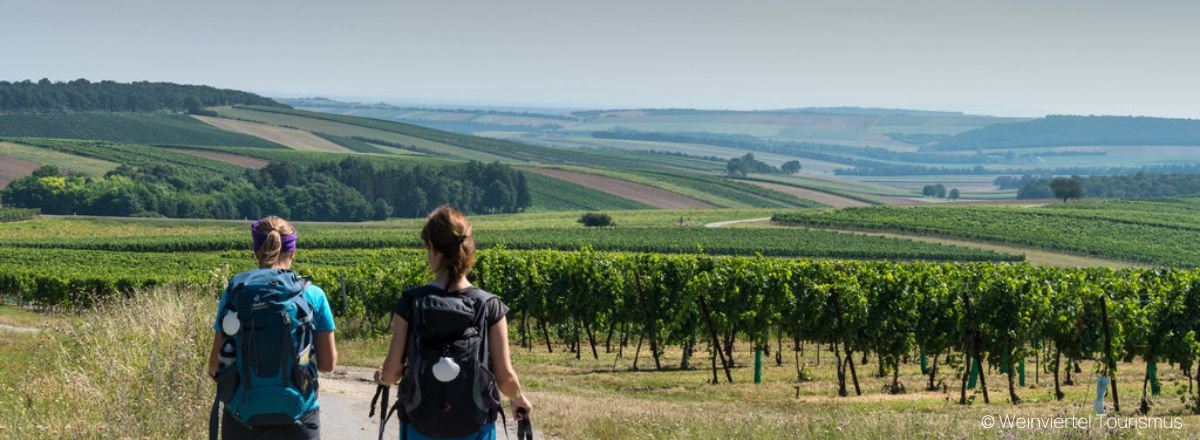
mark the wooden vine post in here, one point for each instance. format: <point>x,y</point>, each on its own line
<point>1110,363</point>
<point>971,354</point>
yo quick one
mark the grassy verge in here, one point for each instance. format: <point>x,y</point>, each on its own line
<point>589,399</point>
<point>19,317</point>
<point>130,368</point>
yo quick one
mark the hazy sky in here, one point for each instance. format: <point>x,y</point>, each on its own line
<point>1008,57</point>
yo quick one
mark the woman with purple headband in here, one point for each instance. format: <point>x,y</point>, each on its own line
<point>273,333</point>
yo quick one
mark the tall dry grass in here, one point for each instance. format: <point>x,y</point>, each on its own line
<point>128,368</point>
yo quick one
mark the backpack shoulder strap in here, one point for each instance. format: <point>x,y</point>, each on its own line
<point>412,347</point>
<point>303,307</point>
<point>481,298</point>
<point>480,294</point>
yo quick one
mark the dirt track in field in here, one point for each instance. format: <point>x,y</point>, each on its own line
<point>288,137</point>
<point>808,194</point>
<point>893,200</point>
<point>1032,254</point>
<point>241,161</point>
<point>13,169</point>
<point>656,197</point>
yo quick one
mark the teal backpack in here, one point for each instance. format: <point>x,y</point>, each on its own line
<point>272,379</point>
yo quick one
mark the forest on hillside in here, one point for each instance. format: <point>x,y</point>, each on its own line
<point>46,96</point>
<point>352,189</point>
<point>1056,131</point>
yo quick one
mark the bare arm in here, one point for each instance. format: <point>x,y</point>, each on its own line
<point>506,376</point>
<point>213,362</point>
<point>326,352</point>
<point>393,365</point>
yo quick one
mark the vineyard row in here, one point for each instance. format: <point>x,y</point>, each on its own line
<point>993,313</point>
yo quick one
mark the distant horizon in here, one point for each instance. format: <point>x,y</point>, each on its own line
<point>450,104</point>
<point>1017,58</point>
<point>468,105</point>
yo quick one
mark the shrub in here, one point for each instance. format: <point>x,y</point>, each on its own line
<point>596,219</point>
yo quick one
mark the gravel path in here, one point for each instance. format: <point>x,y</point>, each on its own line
<point>734,222</point>
<point>18,329</point>
<point>346,400</point>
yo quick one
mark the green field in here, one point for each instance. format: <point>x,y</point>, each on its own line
<point>656,231</point>
<point>16,215</point>
<point>133,155</point>
<point>64,161</point>
<point>135,128</point>
<point>354,144</point>
<point>713,189</point>
<point>336,128</point>
<point>1153,231</point>
<point>550,194</point>
<point>844,187</point>
<point>741,194</point>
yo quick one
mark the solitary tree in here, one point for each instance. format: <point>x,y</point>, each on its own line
<point>941,191</point>
<point>47,171</point>
<point>954,194</point>
<point>1066,188</point>
<point>792,167</point>
<point>736,167</point>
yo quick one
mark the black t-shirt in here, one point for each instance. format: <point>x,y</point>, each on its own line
<point>494,309</point>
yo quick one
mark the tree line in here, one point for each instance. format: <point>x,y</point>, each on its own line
<point>1065,130</point>
<point>939,191</point>
<point>352,189</point>
<point>1137,185</point>
<point>746,164</point>
<point>45,96</point>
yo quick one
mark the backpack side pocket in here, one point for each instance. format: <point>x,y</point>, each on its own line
<point>227,383</point>
<point>488,396</point>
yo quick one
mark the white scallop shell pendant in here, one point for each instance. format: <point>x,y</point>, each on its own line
<point>230,324</point>
<point>445,369</point>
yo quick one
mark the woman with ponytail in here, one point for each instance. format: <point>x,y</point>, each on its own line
<point>449,347</point>
<point>266,367</point>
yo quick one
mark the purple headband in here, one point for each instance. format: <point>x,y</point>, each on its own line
<point>289,241</point>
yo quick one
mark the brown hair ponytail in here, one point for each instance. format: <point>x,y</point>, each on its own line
<point>448,232</point>
<point>273,229</point>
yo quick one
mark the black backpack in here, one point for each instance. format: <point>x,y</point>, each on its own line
<point>451,325</point>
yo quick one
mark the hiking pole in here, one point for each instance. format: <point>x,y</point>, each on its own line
<point>524,425</point>
<point>384,391</point>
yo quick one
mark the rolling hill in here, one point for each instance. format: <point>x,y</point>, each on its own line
<point>1065,131</point>
<point>138,128</point>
